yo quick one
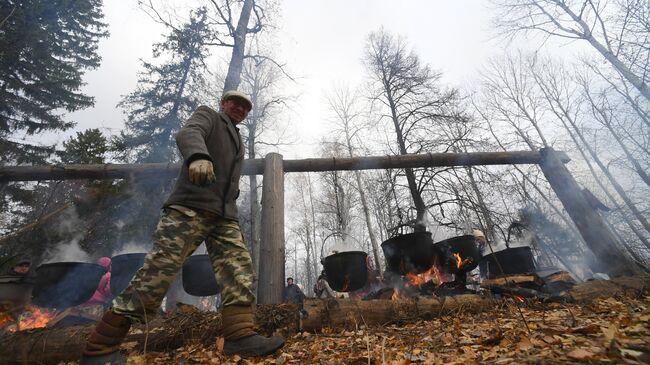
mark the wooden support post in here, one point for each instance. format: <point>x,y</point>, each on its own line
<point>590,224</point>
<point>271,275</point>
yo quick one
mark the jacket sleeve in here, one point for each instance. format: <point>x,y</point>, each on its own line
<point>192,136</point>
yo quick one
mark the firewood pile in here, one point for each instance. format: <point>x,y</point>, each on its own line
<point>608,322</point>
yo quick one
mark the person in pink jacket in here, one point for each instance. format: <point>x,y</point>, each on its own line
<point>103,293</point>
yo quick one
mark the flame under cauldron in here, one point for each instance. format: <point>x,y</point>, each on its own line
<point>346,271</point>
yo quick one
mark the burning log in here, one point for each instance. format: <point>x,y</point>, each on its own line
<point>55,345</point>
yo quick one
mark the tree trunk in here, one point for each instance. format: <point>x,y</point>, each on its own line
<point>637,166</point>
<point>591,226</point>
<point>233,77</point>
<point>366,214</point>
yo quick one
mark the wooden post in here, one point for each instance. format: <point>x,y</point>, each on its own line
<point>271,276</point>
<point>593,229</point>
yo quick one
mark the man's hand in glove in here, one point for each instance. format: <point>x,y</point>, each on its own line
<point>201,172</point>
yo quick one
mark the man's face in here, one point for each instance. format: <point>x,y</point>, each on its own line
<point>236,109</point>
<point>22,269</point>
<point>289,282</point>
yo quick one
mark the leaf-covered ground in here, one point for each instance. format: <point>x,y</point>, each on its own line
<point>607,331</point>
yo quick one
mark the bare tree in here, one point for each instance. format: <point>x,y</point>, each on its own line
<point>342,103</point>
<point>230,21</point>
<point>618,30</point>
<point>407,90</point>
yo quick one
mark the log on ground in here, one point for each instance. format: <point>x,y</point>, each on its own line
<point>54,345</point>
<point>349,314</point>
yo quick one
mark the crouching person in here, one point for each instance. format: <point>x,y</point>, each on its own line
<point>202,207</point>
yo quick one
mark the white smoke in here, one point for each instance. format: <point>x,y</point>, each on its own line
<point>67,252</point>
<point>133,247</point>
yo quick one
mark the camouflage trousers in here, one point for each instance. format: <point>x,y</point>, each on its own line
<point>179,232</point>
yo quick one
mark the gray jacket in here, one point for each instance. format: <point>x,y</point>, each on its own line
<point>210,135</point>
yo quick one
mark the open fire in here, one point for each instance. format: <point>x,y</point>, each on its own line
<point>30,318</point>
<point>452,260</point>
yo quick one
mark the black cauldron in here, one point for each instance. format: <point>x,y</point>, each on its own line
<point>123,268</point>
<point>516,260</point>
<point>15,291</point>
<point>409,253</point>
<point>346,271</point>
<point>463,246</point>
<point>66,284</point>
<point>198,276</point>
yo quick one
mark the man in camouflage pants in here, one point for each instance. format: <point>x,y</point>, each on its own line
<point>202,208</point>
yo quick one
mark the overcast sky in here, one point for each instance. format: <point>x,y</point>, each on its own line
<point>320,41</point>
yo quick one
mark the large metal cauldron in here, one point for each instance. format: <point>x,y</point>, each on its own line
<point>198,276</point>
<point>409,253</point>
<point>457,255</point>
<point>123,268</point>
<point>516,260</point>
<point>346,271</point>
<point>15,291</point>
<point>66,284</point>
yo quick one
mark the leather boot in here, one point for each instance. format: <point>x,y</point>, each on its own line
<point>103,345</point>
<point>240,337</point>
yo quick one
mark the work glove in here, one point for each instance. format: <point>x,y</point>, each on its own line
<point>201,172</point>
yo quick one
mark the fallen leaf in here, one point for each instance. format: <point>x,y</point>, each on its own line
<point>609,332</point>
<point>219,343</point>
<point>524,344</point>
<point>580,354</point>
<point>585,330</point>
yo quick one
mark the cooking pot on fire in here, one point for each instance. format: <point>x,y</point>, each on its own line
<point>15,290</point>
<point>123,268</point>
<point>346,271</point>
<point>409,253</point>
<point>198,276</point>
<point>66,284</point>
<point>515,260</point>
<point>457,255</point>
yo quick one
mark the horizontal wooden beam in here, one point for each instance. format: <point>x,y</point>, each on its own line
<point>256,166</point>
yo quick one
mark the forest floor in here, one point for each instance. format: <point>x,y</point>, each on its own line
<point>613,330</point>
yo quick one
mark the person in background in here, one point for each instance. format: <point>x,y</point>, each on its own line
<point>322,288</point>
<point>21,269</point>
<point>103,293</point>
<point>292,293</point>
<point>480,240</point>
